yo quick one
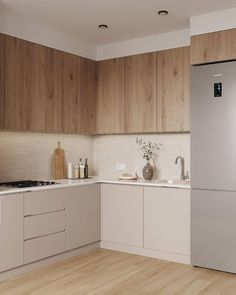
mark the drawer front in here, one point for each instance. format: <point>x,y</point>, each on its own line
<point>44,224</point>
<point>44,201</point>
<point>43,247</point>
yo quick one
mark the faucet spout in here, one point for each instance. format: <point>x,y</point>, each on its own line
<point>182,162</point>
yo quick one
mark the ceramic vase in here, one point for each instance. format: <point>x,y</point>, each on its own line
<point>148,171</point>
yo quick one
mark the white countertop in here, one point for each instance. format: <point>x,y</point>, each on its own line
<point>68,183</point>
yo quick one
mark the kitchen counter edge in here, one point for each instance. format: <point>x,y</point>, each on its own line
<point>65,183</point>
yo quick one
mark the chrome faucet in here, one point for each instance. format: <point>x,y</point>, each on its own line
<point>183,176</point>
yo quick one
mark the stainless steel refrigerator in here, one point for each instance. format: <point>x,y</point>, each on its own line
<point>213,166</point>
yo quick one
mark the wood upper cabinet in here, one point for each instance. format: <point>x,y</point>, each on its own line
<point>140,93</point>
<point>31,93</point>
<point>173,90</point>
<point>2,96</point>
<point>76,87</point>
<point>213,47</point>
<point>69,92</point>
<point>110,93</point>
<point>47,89</point>
<point>44,89</point>
<point>87,106</point>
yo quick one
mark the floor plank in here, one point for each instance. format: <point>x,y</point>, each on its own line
<point>105,272</point>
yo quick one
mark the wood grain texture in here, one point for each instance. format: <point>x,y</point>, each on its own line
<point>59,165</point>
<point>53,84</point>
<point>16,105</point>
<point>48,90</point>
<point>173,90</point>
<point>31,87</point>
<point>104,272</point>
<point>140,93</point>
<point>69,93</point>
<point>2,91</point>
<point>212,47</point>
<point>87,106</point>
<point>110,93</point>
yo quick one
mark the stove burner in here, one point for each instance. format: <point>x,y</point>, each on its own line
<point>27,183</point>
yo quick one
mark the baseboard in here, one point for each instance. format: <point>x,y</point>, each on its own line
<point>44,262</point>
<point>174,257</point>
<point>103,244</point>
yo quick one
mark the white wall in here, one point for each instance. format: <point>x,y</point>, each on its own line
<point>145,44</point>
<point>112,149</point>
<point>212,22</point>
<point>15,25</point>
<point>29,155</point>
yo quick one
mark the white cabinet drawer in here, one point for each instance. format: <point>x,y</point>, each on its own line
<point>44,224</point>
<point>44,201</point>
<point>43,247</point>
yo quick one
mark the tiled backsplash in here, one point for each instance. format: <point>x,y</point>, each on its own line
<point>112,149</point>
<point>29,155</point>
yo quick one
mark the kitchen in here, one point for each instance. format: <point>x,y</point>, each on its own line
<point>86,76</point>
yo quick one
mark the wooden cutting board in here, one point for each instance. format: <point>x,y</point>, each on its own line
<point>59,163</point>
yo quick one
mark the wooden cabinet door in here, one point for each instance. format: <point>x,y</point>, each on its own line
<point>32,86</point>
<point>87,105</point>
<point>213,47</point>
<point>17,104</point>
<point>167,220</point>
<point>2,92</point>
<point>69,92</point>
<point>47,89</point>
<point>110,96</point>
<point>173,90</point>
<point>122,214</point>
<point>140,93</point>
<point>83,216</point>
<point>11,231</point>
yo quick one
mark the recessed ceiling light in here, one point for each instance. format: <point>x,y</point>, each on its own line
<point>163,12</point>
<point>103,27</point>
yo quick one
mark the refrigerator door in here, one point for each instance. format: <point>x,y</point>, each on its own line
<point>213,130</point>
<point>213,228</point>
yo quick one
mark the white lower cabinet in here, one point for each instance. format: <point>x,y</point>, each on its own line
<point>44,224</point>
<point>83,216</point>
<point>11,231</point>
<point>146,220</point>
<point>122,214</point>
<point>42,247</point>
<point>167,220</point>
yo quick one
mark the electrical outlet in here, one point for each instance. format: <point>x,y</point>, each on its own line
<point>120,166</point>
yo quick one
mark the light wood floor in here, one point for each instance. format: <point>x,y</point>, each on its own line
<point>107,272</point>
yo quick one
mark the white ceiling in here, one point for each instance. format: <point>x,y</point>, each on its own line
<point>127,19</point>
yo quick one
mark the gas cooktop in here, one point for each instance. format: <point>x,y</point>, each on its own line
<point>27,183</point>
